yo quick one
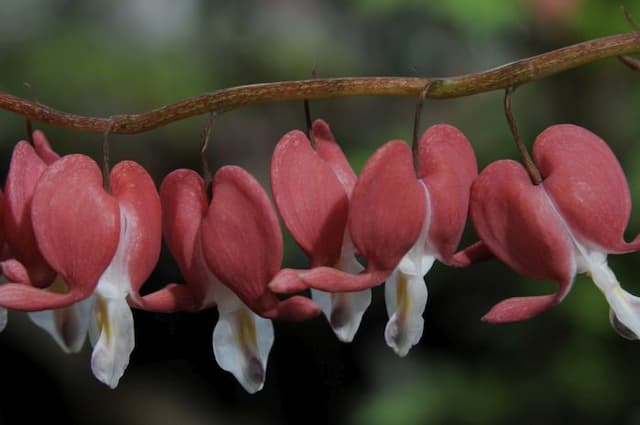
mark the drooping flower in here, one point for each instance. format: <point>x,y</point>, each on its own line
<point>102,244</point>
<point>563,226</point>
<point>401,223</point>
<point>25,264</point>
<point>228,250</point>
<point>311,188</point>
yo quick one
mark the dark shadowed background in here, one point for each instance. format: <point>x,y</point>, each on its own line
<point>122,56</point>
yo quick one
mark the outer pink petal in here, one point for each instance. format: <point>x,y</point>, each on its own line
<point>242,244</point>
<point>43,149</point>
<point>520,308</point>
<point>136,193</point>
<point>24,172</point>
<point>76,223</point>
<point>15,271</point>
<point>326,279</point>
<point>170,299</point>
<point>310,198</point>
<point>516,221</point>
<point>184,205</point>
<point>587,184</point>
<point>387,207</point>
<point>447,166</point>
<point>330,151</point>
<point>386,215</point>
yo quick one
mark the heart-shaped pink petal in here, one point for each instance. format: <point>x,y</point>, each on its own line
<point>184,205</point>
<point>587,185</point>
<point>25,170</point>
<point>517,221</point>
<point>76,223</point>
<point>386,215</point>
<point>447,166</point>
<point>242,244</point>
<point>310,198</point>
<point>139,202</point>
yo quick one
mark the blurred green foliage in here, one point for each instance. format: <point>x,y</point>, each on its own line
<point>109,57</point>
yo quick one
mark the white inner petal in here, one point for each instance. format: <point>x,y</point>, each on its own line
<point>593,261</point>
<point>344,310</point>
<point>242,341</point>
<point>406,299</point>
<point>113,338</point>
<point>111,331</point>
<point>406,291</point>
<point>67,326</point>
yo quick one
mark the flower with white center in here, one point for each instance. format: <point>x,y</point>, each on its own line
<point>563,226</point>
<point>311,187</point>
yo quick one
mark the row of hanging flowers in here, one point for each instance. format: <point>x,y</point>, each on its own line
<point>79,242</point>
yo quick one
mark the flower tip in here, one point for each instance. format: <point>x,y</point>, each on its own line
<point>287,281</point>
<point>519,309</point>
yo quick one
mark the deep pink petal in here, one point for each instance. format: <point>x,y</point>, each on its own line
<point>287,281</point>
<point>333,280</point>
<point>310,198</point>
<point>447,166</point>
<point>184,205</point>
<point>587,184</point>
<point>387,207</point>
<point>43,148</point>
<point>138,198</point>
<point>520,308</point>
<point>20,297</point>
<point>170,299</point>
<point>474,253</point>
<point>515,219</point>
<point>331,152</point>
<point>76,223</point>
<point>241,238</point>
<point>15,271</point>
<point>24,172</point>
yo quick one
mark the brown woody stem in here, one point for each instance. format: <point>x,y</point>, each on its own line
<point>512,74</point>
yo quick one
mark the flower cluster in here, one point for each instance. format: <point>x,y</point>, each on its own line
<point>77,245</point>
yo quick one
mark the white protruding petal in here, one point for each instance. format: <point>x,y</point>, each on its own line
<point>406,292</point>
<point>113,326</point>
<point>111,331</point>
<point>406,299</point>
<point>625,306</point>
<point>242,341</point>
<point>344,310</point>
<point>3,318</point>
<point>67,326</point>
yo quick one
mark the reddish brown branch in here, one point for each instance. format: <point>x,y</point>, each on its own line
<point>512,74</point>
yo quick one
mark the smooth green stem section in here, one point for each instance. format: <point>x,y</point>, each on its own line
<point>512,74</point>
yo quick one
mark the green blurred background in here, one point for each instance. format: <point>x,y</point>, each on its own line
<point>123,56</point>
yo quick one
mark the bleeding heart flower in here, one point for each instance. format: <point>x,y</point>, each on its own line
<point>103,245</point>
<point>311,188</point>
<point>227,251</point>
<point>564,226</point>
<point>401,223</point>
<point>25,264</point>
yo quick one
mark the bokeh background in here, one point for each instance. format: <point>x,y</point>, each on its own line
<point>108,57</point>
